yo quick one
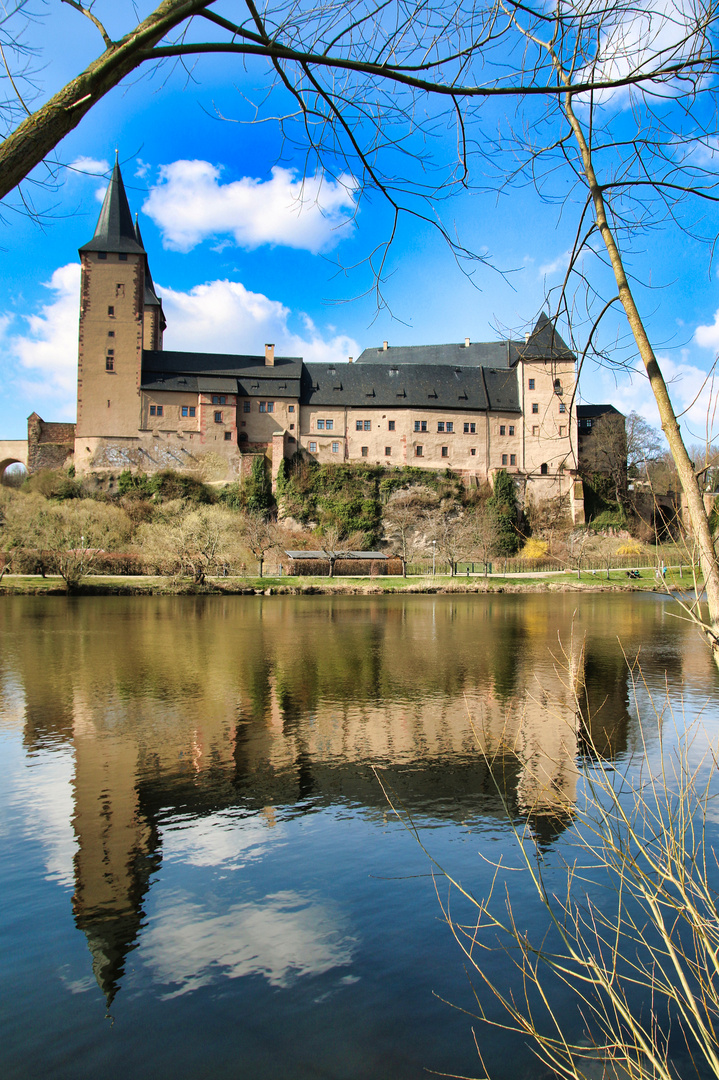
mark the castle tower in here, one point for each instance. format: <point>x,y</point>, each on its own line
<point>112,315</point>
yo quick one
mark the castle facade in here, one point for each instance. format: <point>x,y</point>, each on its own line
<point>471,407</point>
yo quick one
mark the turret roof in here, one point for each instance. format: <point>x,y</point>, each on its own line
<point>115,230</point>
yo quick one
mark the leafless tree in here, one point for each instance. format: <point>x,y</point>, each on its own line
<point>484,533</point>
<point>453,535</point>
<point>403,519</point>
<point>258,534</point>
<point>196,542</point>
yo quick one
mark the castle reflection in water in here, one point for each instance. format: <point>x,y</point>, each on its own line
<point>192,706</point>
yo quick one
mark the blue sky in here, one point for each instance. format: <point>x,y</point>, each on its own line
<point>239,262</point>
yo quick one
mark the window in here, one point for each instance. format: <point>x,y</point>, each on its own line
<point>246,406</point>
<point>558,385</point>
<point>502,429</point>
<point>102,255</point>
<point>535,429</point>
<point>219,399</point>
<point>119,289</point>
<point>329,424</point>
<point>450,425</point>
<point>358,425</point>
<point>505,459</point>
<point>270,406</point>
<point>511,429</point>
<point>156,410</point>
<point>228,436</point>
<point>562,431</point>
<point>473,451</point>
<point>365,451</point>
<point>263,406</point>
<point>188,410</point>
<point>418,451</point>
<point>562,407</point>
<point>110,333</point>
<point>320,425</point>
<point>388,451</point>
<point>111,312</point>
<point>290,408</point>
<point>544,468</point>
<point>445,451</point>
<point>335,448</point>
<point>420,425</point>
<point>531,384</point>
<point>109,362</point>
<point>512,459</point>
<point>390,425</point>
<point>313,447</point>
<point>292,427</point>
<point>470,429</point>
<point>440,425</point>
<point>368,425</point>
<point>123,256</point>
<point>218,417</point>
<point>535,407</point>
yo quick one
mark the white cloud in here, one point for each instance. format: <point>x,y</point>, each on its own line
<point>708,336</point>
<point>224,316</point>
<point>560,263</point>
<point>693,394</point>
<point>91,166</point>
<point>189,204</point>
<point>43,793</point>
<point>283,937</point>
<point>45,357</point>
<point>217,840</point>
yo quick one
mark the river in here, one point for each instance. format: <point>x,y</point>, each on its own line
<point>200,872</point>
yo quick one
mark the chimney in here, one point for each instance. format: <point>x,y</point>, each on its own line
<point>269,356</point>
<point>385,345</point>
<point>466,343</point>
<point>527,336</point>
<point>351,358</point>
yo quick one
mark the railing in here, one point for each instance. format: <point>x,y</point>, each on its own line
<point>501,565</point>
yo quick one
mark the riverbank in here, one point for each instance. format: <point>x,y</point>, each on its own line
<point>558,581</point>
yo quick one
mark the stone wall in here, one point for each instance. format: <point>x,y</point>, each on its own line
<point>49,446</point>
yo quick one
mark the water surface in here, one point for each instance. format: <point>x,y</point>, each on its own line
<point>200,873</point>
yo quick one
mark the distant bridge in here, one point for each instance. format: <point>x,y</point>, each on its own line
<point>12,452</point>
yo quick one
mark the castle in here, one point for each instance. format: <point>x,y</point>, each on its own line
<point>471,407</point>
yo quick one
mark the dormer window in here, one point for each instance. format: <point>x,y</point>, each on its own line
<point>102,255</point>
<point>123,256</point>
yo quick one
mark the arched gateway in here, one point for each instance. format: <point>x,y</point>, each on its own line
<point>12,452</point>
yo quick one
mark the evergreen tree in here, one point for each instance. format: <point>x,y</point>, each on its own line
<point>503,503</point>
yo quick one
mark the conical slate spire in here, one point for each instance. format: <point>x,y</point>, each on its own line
<point>115,230</point>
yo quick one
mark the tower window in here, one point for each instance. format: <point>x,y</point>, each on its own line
<point>228,436</point>
<point>109,362</point>
<point>473,451</point>
<point>110,333</point>
<point>531,384</point>
<point>119,289</point>
<point>290,408</point>
<point>111,312</point>
<point>544,468</point>
<point>535,429</point>
<point>535,407</point>
<point>218,417</point>
<point>562,431</point>
<point>219,399</point>
<point>562,407</point>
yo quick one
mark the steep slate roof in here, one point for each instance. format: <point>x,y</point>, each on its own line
<point>151,298</point>
<point>544,342</point>
<point>391,386</point>
<point>221,373</point>
<point>115,230</point>
<point>591,412</point>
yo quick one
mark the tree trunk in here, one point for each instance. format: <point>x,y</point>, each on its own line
<point>42,131</point>
<point>260,561</point>
<point>695,503</point>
